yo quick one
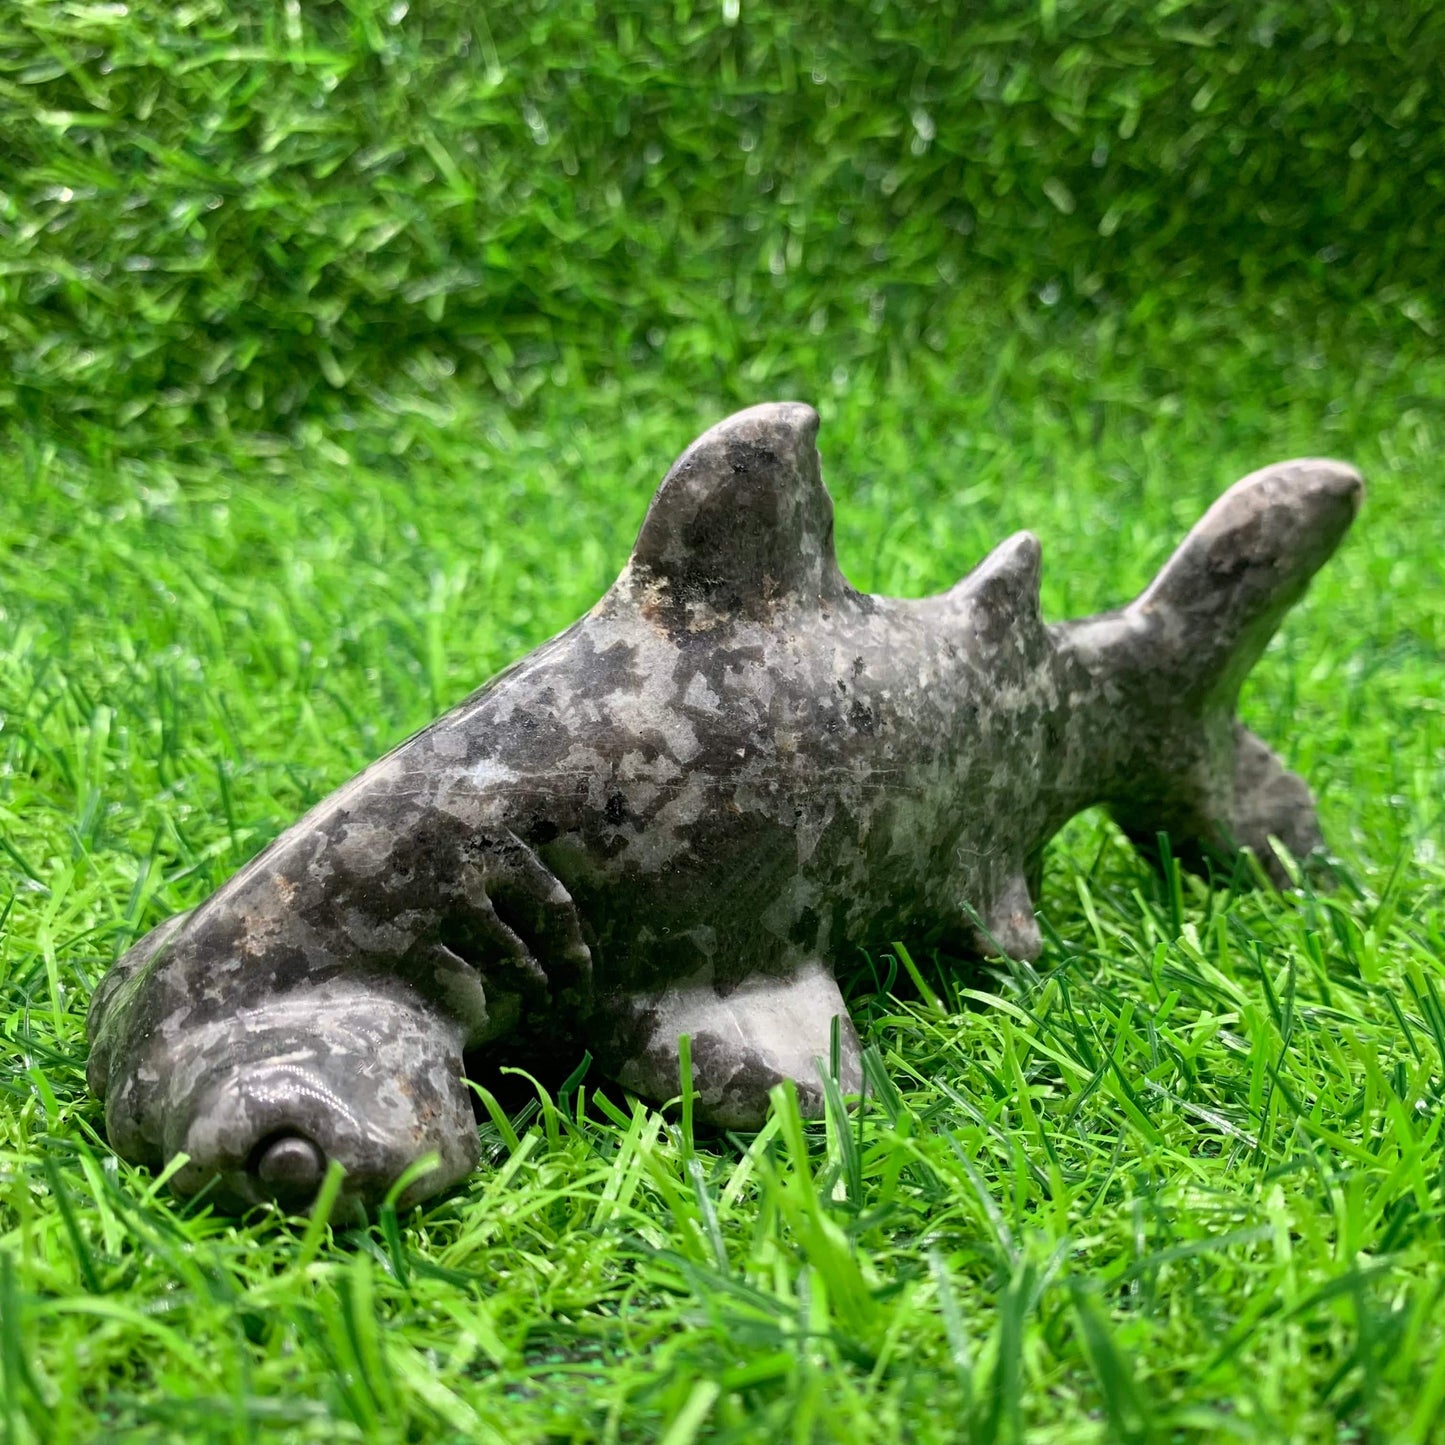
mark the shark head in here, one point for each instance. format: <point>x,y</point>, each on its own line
<point>264,1097</point>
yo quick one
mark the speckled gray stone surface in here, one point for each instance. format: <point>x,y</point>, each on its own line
<point>678,814</point>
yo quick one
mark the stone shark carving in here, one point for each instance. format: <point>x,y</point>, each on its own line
<point>676,815</point>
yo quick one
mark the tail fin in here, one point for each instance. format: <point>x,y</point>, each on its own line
<point>1192,638</point>
<point>1247,561</point>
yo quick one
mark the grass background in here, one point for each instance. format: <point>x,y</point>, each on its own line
<point>344,346</point>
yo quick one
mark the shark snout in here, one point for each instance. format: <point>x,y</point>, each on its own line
<point>268,1131</point>
<point>265,1103</point>
<point>291,1167</point>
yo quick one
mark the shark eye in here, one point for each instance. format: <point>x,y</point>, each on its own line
<point>291,1167</point>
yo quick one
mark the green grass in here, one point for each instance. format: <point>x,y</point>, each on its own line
<point>239,204</point>
<point>265,511</point>
<point>1182,1182</point>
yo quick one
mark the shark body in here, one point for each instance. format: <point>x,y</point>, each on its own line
<point>675,816</point>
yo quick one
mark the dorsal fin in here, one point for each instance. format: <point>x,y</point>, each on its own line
<point>1007,580</point>
<point>742,520</point>
<point>999,599</point>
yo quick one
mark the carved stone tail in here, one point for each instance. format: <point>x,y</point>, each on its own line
<point>1179,654</point>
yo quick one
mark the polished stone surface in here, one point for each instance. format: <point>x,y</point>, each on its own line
<point>680,813</point>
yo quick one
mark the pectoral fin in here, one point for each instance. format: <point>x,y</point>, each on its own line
<point>744,1042</point>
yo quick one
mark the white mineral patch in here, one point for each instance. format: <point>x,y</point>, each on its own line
<point>700,695</point>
